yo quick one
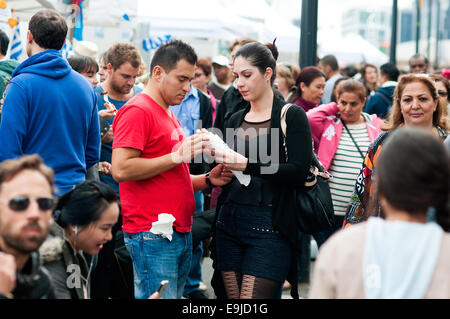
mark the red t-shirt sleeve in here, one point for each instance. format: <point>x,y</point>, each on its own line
<point>131,128</point>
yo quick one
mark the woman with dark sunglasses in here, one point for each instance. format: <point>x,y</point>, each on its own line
<point>84,218</point>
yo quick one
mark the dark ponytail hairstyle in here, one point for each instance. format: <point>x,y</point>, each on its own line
<point>84,204</point>
<point>307,75</point>
<point>413,174</point>
<point>260,55</point>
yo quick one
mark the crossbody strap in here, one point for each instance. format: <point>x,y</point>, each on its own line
<point>354,142</point>
<point>284,125</point>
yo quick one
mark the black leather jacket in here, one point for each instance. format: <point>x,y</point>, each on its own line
<point>33,282</point>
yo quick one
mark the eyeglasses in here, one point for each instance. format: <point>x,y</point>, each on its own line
<point>21,203</point>
<point>442,93</point>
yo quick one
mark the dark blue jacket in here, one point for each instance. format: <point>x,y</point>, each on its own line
<point>50,110</point>
<point>381,102</point>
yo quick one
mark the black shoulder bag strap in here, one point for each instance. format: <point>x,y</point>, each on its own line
<point>354,142</point>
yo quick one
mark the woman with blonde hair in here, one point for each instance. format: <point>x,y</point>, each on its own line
<point>416,104</point>
<point>285,79</point>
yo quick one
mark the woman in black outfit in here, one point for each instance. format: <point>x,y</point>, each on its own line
<point>256,230</point>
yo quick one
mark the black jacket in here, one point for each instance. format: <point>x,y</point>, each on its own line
<point>289,174</point>
<point>33,282</point>
<point>232,101</point>
<point>196,167</point>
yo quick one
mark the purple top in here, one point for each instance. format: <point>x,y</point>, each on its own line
<point>305,104</point>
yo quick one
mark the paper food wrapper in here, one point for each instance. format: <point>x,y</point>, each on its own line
<point>163,226</point>
<point>219,144</point>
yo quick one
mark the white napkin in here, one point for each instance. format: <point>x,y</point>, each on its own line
<point>218,144</point>
<point>163,226</point>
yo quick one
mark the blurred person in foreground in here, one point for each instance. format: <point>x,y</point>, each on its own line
<point>405,255</point>
<point>26,204</point>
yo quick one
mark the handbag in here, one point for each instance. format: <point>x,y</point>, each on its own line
<point>313,199</point>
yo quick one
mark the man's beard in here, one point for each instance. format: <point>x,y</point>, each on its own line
<point>28,245</point>
<point>120,89</point>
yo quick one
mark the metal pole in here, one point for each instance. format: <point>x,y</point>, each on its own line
<point>438,33</point>
<point>308,34</point>
<point>308,56</point>
<point>418,6</point>
<point>429,29</point>
<point>393,49</point>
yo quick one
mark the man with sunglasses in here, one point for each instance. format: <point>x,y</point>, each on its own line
<point>26,203</point>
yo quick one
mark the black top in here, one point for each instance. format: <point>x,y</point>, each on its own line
<point>283,176</point>
<point>33,282</point>
<point>250,141</point>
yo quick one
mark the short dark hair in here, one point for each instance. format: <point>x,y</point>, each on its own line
<point>4,42</point>
<point>261,56</point>
<point>121,53</point>
<point>84,204</point>
<point>352,86</point>
<point>49,29</point>
<point>80,64</point>
<point>418,56</point>
<point>415,183</point>
<point>168,55</point>
<point>390,70</point>
<point>331,61</point>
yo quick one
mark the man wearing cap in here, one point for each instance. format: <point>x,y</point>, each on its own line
<point>222,77</point>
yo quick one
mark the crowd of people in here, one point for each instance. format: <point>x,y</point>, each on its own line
<point>103,164</point>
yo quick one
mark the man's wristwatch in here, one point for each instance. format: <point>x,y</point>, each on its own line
<point>208,180</point>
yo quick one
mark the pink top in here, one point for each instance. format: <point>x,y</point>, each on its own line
<point>326,130</point>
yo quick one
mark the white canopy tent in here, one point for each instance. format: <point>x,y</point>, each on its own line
<point>350,49</point>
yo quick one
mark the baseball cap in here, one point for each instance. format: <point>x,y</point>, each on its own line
<point>221,60</point>
<point>85,48</point>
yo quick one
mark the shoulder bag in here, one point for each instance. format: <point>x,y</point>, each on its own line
<point>314,202</point>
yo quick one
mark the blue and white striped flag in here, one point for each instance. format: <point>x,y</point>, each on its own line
<point>66,50</point>
<point>16,46</point>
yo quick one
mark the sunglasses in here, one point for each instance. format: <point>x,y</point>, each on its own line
<point>20,204</point>
<point>442,93</point>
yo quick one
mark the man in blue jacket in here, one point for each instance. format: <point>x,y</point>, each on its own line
<point>49,109</point>
<point>381,102</point>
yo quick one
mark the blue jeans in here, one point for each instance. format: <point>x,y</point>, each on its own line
<point>195,273</point>
<point>156,258</point>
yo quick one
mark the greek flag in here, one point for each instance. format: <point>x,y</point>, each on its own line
<point>16,46</point>
<point>66,50</point>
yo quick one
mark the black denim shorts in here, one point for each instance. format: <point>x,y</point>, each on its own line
<point>246,242</point>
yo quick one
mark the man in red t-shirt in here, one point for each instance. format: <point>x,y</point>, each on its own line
<point>150,162</point>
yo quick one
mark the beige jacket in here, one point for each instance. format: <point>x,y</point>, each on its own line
<point>338,272</point>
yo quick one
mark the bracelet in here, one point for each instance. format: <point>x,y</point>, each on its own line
<point>208,180</point>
